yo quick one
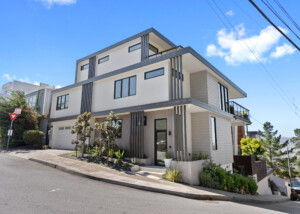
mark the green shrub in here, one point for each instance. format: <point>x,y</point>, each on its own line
<point>214,176</point>
<point>33,137</point>
<point>167,155</point>
<point>252,187</point>
<point>206,180</point>
<point>202,156</point>
<point>173,174</point>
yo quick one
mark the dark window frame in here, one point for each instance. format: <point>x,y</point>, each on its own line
<point>129,51</point>
<point>214,147</point>
<point>154,49</point>
<point>122,87</point>
<point>82,67</point>
<point>102,59</point>
<point>59,102</point>
<point>223,97</point>
<point>155,136</point>
<point>154,71</point>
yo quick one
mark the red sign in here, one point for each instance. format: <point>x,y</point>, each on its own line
<point>13,116</point>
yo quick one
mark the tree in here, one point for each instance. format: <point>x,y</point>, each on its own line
<point>83,130</point>
<point>276,153</point>
<point>252,147</point>
<point>27,120</point>
<point>109,130</point>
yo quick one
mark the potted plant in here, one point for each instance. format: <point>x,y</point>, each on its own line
<point>167,160</point>
<point>245,115</point>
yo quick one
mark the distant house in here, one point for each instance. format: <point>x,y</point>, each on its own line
<point>168,98</point>
<point>16,86</point>
<point>39,99</point>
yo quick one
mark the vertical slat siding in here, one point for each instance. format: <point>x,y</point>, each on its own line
<point>86,101</point>
<point>92,67</point>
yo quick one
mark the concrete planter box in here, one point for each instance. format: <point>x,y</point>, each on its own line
<point>189,170</point>
<point>143,162</point>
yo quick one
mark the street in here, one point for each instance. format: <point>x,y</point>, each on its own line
<point>28,187</point>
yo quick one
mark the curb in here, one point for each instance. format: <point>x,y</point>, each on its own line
<point>157,190</point>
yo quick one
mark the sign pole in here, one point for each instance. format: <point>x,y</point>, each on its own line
<point>11,123</point>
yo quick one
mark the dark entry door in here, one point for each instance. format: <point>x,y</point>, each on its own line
<point>160,141</point>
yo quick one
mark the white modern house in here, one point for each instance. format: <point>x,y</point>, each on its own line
<point>168,98</point>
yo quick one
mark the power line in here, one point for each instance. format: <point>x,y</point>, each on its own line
<point>264,15</point>
<point>256,120</point>
<point>263,67</point>
<point>278,16</point>
<point>287,14</point>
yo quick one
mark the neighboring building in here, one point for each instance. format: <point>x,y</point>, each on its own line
<point>40,99</point>
<point>16,86</point>
<point>168,98</point>
<point>254,134</point>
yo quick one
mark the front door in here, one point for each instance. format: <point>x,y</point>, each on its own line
<point>160,141</point>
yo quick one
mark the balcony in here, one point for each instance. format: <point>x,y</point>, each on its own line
<point>165,52</point>
<point>239,111</point>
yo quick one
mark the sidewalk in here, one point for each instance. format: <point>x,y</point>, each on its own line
<point>104,174</point>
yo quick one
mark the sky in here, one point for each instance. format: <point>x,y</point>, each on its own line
<point>40,41</point>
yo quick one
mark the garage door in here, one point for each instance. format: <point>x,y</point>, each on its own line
<point>64,138</point>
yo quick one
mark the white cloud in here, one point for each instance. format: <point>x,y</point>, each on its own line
<point>26,79</point>
<point>58,86</point>
<point>36,83</point>
<point>230,13</point>
<point>283,50</point>
<point>234,49</point>
<point>8,77</point>
<point>49,3</point>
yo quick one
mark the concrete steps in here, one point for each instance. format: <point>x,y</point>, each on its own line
<point>155,172</point>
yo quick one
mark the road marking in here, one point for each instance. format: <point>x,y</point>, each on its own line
<point>54,190</point>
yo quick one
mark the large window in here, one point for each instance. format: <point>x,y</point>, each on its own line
<point>104,59</point>
<point>155,73</point>
<point>83,67</point>
<point>223,97</point>
<point>213,133</point>
<point>125,87</point>
<point>62,102</point>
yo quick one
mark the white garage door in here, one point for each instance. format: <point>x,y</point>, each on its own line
<point>64,138</point>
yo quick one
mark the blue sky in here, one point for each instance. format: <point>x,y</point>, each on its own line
<point>41,40</point>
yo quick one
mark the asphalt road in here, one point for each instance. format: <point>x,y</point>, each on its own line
<point>28,187</point>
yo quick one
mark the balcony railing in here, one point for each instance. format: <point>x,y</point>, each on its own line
<point>165,52</point>
<point>238,110</point>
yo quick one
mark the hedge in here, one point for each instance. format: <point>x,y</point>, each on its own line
<point>33,137</point>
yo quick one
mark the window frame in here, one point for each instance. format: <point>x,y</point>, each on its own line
<point>223,97</point>
<point>121,92</point>
<point>102,59</point>
<point>59,101</point>
<point>129,51</point>
<point>154,71</point>
<point>214,126</point>
<point>82,67</point>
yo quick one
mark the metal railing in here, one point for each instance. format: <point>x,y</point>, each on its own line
<point>165,52</point>
<point>238,110</point>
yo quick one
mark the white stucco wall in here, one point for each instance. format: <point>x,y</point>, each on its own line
<point>74,103</point>
<point>82,74</point>
<point>119,57</point>
<point>224,153</point>
<point>147,91</point>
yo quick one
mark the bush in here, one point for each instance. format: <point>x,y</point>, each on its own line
<point>214,176</point>
<point>33,137</point>
<point>173,174</point>
<point>206,180</point>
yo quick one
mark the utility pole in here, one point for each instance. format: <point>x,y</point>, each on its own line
<point>289,168</point>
